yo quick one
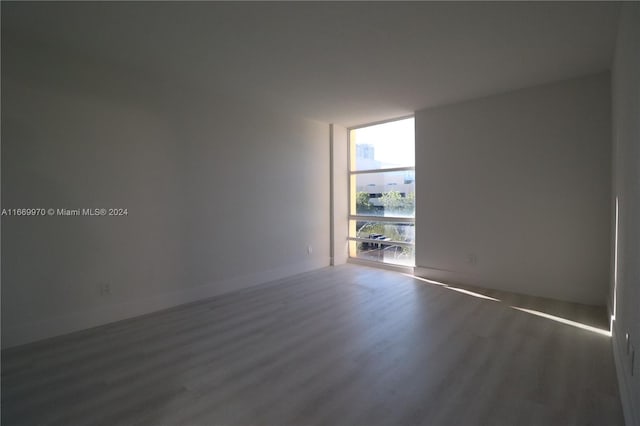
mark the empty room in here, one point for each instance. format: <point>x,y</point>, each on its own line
<point>320,213</point>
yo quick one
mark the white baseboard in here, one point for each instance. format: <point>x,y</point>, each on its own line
<point>14,335</point>
<point>631,411</point>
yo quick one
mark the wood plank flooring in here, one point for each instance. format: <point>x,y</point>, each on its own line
<point>340,346</point>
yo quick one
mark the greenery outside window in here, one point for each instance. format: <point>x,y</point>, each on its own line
<point>382,192</point>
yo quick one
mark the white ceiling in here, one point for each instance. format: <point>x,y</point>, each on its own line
<point>349,63</point>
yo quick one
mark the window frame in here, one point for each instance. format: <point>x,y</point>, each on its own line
<point>353,217</point>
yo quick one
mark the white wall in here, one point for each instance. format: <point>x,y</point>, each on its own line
<point>626,184</point>
<point>221,195</point>
<point>340,194</point>
<point>513,191</point>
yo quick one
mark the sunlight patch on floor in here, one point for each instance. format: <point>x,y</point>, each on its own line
<point>565,321</point>
<point>472,293</point>
<point>459,290</point>
<point>528,311</point>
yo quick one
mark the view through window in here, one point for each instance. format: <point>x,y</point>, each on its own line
<point>382,192</point>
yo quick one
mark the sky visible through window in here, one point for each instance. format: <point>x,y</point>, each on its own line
<point>392,145</point>
<point>382,192</point>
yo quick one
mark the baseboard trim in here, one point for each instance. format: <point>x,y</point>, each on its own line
<point>20,334</point>
<point>631,416</point>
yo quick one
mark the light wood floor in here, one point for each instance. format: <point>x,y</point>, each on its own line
<point>341,346</point>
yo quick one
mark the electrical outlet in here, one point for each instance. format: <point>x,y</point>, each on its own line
<point>309,250</point>
<point>104,289</point>
<point>627,341</point>
<point>472,258</point>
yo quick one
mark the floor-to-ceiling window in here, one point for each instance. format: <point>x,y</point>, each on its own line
<point>382,192</point>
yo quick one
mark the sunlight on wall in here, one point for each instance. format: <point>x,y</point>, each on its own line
<point>615,271</point>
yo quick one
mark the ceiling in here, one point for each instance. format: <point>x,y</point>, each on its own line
<point>343,62</point>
